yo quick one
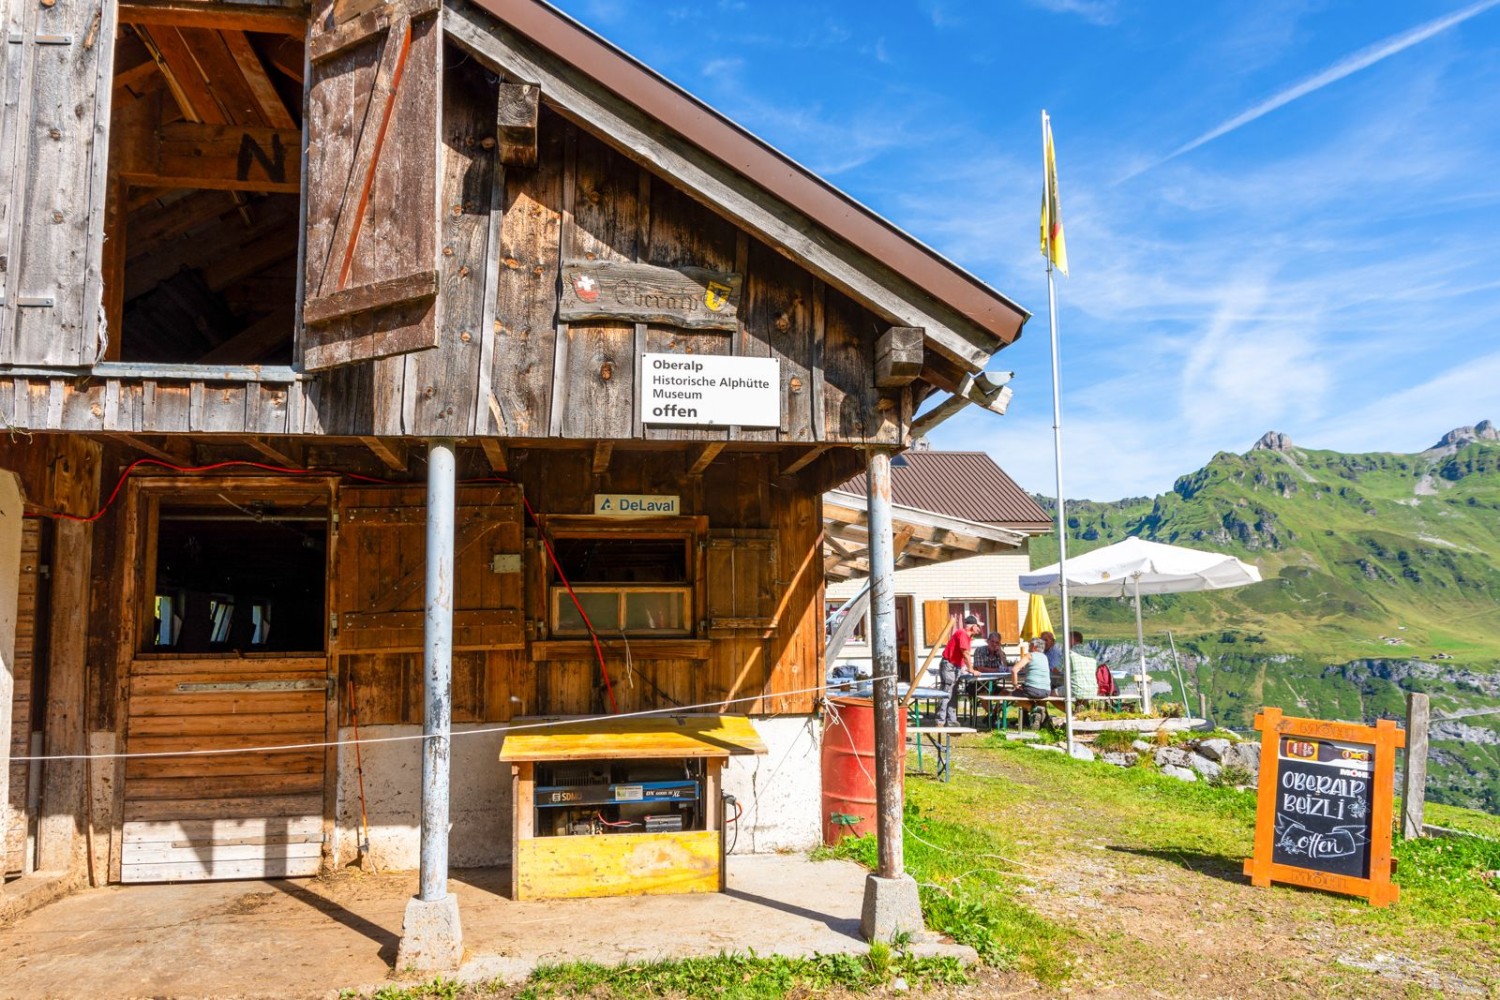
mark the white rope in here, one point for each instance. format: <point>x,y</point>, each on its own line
<point>365,741</point>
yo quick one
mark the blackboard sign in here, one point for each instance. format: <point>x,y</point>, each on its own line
<point>1325,810</point>
<point>1324,805</point>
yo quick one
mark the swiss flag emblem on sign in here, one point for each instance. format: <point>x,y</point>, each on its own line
<point>585,287</point>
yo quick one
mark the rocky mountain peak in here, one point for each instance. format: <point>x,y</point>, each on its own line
<point>1457,438</point>
<point>1273,441</point>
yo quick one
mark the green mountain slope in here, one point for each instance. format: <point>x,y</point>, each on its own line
<point>1381,576</point>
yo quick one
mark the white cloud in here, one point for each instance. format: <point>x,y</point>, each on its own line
<point>1345,67</point>
<point>1100,12</point>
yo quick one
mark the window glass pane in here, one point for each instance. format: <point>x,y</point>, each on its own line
<point>221,614</point>
<point>654,609</point>
<point>603,610</point>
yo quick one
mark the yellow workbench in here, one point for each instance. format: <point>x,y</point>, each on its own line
<point>592,765</point>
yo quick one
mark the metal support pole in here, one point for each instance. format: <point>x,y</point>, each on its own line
<point>888,805</point>
<point>1140,652</point>
<point>437,658</point>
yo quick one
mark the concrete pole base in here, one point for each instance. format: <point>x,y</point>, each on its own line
<point>431,938</point>
<point>892,907</point>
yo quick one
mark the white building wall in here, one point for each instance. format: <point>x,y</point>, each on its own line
<point>994,577</point>
<point>781,792</point>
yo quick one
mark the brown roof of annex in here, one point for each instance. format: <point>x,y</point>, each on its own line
<point>780,175</point>
<point>966,484</point>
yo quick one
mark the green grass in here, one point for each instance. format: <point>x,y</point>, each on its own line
<point>742,977</point>
<point>731,977</point>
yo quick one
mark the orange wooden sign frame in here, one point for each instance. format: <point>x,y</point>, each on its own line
<point>1386,738</point>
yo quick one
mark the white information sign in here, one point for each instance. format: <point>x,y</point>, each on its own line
<point>710,390</point>
<point>636,505</point>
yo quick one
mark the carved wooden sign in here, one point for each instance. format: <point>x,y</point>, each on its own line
<point>693,298</point>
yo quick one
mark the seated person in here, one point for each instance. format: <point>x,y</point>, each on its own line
<point>1030,673</point>
<point>990,658</point>
<point>1083,671</point>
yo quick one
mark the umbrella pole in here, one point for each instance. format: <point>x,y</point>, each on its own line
<point>1140,649</point>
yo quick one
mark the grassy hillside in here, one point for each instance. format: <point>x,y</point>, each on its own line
<point>1381,576</point>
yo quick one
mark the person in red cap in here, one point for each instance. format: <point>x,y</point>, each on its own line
<point>958,659</point>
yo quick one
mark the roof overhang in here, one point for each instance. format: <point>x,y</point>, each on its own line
<point>668,131</point>
<point>920,537</point>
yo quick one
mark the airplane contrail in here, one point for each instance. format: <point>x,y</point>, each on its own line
<point>1344,67</point>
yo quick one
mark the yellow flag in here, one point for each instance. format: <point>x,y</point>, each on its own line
<point>1053,246</point>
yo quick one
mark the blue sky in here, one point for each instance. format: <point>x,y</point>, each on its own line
<point>1280,215</point>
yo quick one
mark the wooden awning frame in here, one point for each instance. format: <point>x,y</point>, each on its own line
<point>921,537</point>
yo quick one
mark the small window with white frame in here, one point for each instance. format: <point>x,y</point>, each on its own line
<point>621,583</point>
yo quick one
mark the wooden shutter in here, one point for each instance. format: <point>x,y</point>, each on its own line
<point>1007,622</point>
<point>934,621</point>
<point>54,149</point>
<point>742,591</point>
<point>374,102</point>
<point>381,580</point>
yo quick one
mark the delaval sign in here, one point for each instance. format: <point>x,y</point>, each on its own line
<point>710,390</point>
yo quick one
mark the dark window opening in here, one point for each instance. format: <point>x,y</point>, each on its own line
<point>201,236</point>
<point>622,560</point>
<point>224,580</point>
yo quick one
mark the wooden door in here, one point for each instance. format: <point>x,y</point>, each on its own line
<point>371,276</point>
<point>55,74</point>
<point>226,816</point>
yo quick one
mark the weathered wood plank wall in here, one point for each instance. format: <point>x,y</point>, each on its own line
<point>53,175</point>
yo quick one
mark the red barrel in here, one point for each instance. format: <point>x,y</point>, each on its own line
<point>849,767</point>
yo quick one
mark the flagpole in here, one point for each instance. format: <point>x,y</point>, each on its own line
<point>1062,521</point>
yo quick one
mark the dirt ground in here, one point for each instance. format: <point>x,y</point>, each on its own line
<point>1185,924</point>
<point>314,937</point>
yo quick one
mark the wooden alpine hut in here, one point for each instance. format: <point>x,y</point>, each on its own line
<point>423,366</point>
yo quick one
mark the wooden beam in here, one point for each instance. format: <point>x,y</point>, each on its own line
<point>60,848</point>
<point>803,459</point>
<point>185,79</point>
<point>217,157</point>
<point>392,453</point>
<point>495,451</point>
<point>286,456</point>
<point>271,18</point>
<point>139,444</point>
<point>516,122</point>
<point>705,457</point>
<point>898,356</point>
<point>602,452</point>
<point>272,108</point>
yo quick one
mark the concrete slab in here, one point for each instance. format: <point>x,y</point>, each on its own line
<point>307,937</point>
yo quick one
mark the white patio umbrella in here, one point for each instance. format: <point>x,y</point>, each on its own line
<point>1135,567</point>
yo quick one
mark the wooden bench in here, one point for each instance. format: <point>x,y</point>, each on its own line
<point>941,738</point>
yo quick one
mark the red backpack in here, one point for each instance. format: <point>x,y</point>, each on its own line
<point>1106,681</point>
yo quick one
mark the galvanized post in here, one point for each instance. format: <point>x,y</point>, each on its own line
<point>888,805</point>
<point>431,934</point>
<point>437,635</point>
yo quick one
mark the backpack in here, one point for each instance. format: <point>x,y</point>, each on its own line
<point>1106,681</point>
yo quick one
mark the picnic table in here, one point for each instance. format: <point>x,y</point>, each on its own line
<point>941,739</point>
